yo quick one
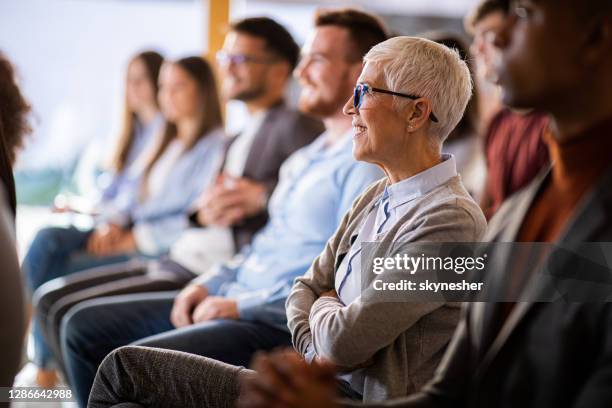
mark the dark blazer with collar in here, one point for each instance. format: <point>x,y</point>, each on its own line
<point>283,131</point>
<point>555,354</point>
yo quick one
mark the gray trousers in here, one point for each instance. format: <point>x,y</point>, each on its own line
<point>136,376</point>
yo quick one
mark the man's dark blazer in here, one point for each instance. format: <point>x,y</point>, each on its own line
<point>283,131</point>
<point>555,354</point>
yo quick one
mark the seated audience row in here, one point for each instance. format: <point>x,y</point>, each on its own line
<point>261,265</point>
<point>188,149</point>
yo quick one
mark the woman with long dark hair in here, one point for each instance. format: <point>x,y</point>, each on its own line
<point>141,118</point>
<point>183,162</point>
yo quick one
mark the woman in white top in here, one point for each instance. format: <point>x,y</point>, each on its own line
<point>174,173</point>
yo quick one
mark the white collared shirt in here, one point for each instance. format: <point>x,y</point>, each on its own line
<point>389,209</point>
<point>239,150</point>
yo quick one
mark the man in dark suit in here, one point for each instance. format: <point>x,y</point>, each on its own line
<point>556,57</point>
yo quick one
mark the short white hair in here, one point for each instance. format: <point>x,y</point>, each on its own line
<point>426,69</point>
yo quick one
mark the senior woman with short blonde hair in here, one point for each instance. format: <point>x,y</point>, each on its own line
<point>410,95</point>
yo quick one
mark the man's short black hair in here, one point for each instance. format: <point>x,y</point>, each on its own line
<point>484,9</point>
<point>277,38</point>
<point>365,30</point>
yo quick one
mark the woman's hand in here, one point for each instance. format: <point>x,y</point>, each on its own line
<point>101,240</point>
<point>330,293</point>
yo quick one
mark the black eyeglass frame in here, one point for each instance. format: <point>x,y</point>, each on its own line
<point>361,89</point>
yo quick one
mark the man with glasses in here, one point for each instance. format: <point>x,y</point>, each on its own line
<point>255,64</point>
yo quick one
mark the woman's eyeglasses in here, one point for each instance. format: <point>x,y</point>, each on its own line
<point>362,89</point>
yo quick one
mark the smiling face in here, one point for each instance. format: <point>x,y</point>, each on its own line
<point>179,96</point>
<point>378,128</point>
<point>325,75</point>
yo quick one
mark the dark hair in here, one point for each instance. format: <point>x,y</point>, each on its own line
<point>152,62</point>
<point>277,38</point>
<point>210,109</point>
<point>14,124</point>
<point>6,174</point>
<point>468,125</point>
<point>587,9</point>
<point>365,30</point>
<point>483,9</point>
<point>14,109</point>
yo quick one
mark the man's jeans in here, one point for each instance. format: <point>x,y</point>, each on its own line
<point>94,328</point>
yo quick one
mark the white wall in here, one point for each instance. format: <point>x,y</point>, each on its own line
<point>71,57</point>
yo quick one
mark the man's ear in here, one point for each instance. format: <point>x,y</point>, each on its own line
<point>280,71</point>
<point>598,40</point>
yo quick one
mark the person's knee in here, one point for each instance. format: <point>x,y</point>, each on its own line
<point>47,239</point>
<point>110,377</point>
<point>120,357</point>
<point>77,327</point>
<point>46,243</point>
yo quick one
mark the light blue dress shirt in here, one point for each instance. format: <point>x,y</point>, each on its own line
<point>317,185</point>
<point>391,206</point>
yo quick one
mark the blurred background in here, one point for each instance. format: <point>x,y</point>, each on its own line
<point>71,57</point>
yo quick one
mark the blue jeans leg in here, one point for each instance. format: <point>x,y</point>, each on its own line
<point>50,252</point>
<point>94,328</point>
